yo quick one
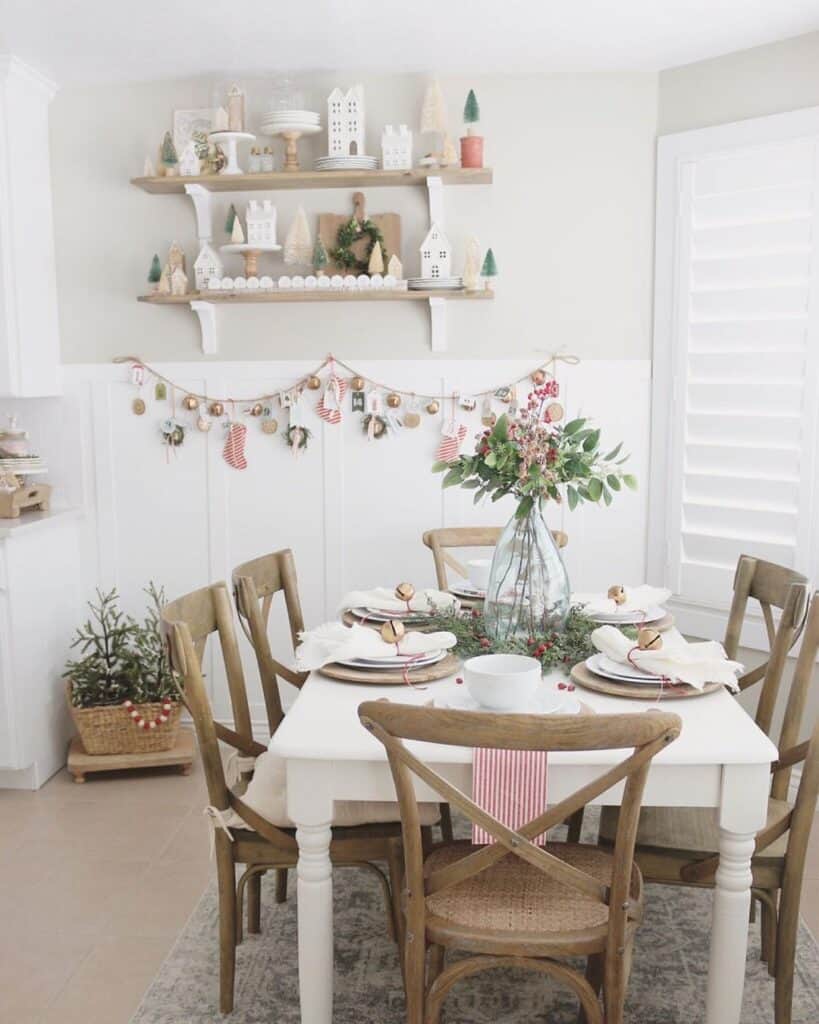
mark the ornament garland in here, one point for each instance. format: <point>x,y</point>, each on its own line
<point>142,723</point>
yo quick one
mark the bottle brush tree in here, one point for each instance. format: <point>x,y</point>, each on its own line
<point>155,272</point>
<point>231,217</point>
<point>472,112</point>
<point>320,257</point>
<point>168,151</point>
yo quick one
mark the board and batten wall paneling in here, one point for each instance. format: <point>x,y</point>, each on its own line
<point>352,510</point>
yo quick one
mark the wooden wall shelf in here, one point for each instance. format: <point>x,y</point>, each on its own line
<point>302,295</point>
<point>316,179</point>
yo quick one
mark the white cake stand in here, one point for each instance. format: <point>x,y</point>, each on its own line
<point>291,134</point>
<point>250,253</point>
<point>231,139</point>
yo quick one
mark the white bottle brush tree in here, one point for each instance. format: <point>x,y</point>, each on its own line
<point>298,246</point>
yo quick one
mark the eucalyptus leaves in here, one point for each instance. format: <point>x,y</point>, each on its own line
<point>532,457</point>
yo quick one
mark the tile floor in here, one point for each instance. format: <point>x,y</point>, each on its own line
<point>97,881</point>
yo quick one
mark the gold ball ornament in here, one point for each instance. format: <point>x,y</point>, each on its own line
<point>405,591</point>
<point>538,377</point>
<point>393,632</point>
<point>270,426</point>
<point>554,412</point>
<point>257,409</point>
<point>433,407</point>
<point>357,383</point>
<point>393,400</point>
<point>190,403</point>
<point>649,639</point>
<point>617,593</point>
<point>217,408</point>
<point>313,382</point>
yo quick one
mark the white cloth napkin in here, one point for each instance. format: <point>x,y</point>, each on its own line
<point>384,599</point>
<point>637,599</point>
<point>334,641</point>
<point>679,660</point>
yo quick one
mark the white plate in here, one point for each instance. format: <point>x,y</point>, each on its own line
<point>291,115</point>
<point>295,127</point>
<point>394,659</point>
<point>630,618</point>
<point>472,593</point>
<point>382,616</point>
<point>387,664</point>
<point>546,701</point>
<point>609,669</point>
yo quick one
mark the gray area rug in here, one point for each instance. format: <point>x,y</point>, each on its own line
<point>667,983</point>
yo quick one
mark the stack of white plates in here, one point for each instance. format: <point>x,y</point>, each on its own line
<point>275,121</point>
<point>610,669</point>
<point>423,284</point>
<point>395,661</point>
<point>346,163</point>
<point>379,615</point>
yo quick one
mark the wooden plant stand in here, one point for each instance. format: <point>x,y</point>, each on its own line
<point>81,764</point>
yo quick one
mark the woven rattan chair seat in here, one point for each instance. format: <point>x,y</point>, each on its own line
<point>517,899</point>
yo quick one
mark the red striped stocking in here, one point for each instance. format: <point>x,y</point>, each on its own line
<point>234,450</point>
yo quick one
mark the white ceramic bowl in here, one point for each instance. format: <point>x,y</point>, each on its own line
<point>479,572</point>
<point>502,682</point>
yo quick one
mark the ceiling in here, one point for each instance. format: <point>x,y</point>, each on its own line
<point>79,41</point>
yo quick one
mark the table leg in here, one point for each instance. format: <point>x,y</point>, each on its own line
<point>315,923</point>
<point>743,810</point>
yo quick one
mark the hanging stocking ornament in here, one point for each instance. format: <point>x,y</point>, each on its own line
<point>329,405</point>
<point>452,437</point>
<point>234,450</point>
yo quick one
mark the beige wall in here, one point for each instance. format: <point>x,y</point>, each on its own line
<point>570,219</point>
<point>752,83</point>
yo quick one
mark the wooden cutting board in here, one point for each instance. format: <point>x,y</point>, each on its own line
<point>389,224</point>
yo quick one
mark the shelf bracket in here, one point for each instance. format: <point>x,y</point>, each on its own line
<point>201,204</point>
<point>206,311</point>
<point>435,193</point>
<point>437,324</point>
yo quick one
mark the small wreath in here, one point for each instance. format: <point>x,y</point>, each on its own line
<point>379,425</point>
<point>351,232</point>
<point>173,432</point>
<point>296,440</point>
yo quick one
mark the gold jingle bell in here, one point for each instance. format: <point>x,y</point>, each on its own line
<point>433,407</point>
<point>190,403</point>
<point>257,409</point>
<point>393,400</point>
<point>649,639</point>
<point>617,593</point>
<point>217,408</point>
<point>405,591</point>
<point>538,377</point>
<point>392,632</point>
<point>357,383</point>
<point>313,382</point>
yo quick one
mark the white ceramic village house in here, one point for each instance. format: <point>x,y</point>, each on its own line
<point>207,266</point>
<point>396,148</point>
<point>436,254</point>
<point>345,122</point>
<point>261,222</point>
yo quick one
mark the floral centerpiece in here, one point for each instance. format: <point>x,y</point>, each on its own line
<point>536,458</point>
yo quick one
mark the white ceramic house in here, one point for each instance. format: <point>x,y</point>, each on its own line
<point>396,148</point>
<point>261,222</point>
<point>436,254</point>
<point>189,162</point>
<point>345,122</point>
<point>207,267</point>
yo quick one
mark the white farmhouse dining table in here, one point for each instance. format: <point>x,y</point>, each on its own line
<point>721,760</point>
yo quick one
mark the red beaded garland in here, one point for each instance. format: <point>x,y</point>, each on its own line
<point>140,722</point>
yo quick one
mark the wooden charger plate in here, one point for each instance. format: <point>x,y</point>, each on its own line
<point>636,691</point>
<point>392,677</point>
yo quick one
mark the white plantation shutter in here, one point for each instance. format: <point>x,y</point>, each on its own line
<point>735,395</point>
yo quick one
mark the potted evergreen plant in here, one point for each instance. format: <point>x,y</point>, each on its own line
<point>122,693</point>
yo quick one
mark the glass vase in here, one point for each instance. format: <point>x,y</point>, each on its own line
<point>528,592</point>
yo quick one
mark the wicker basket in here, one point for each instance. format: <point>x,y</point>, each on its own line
<point>111,730</point>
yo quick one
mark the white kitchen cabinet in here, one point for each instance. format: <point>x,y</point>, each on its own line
<point>40,607</point>
<point>29,330</point>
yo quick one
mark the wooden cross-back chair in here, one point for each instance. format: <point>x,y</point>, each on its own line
<point>255,842</point>
<point>441,540</point>
<point>514,903</point>
<point>675,848</point>
<point>255,584</point>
